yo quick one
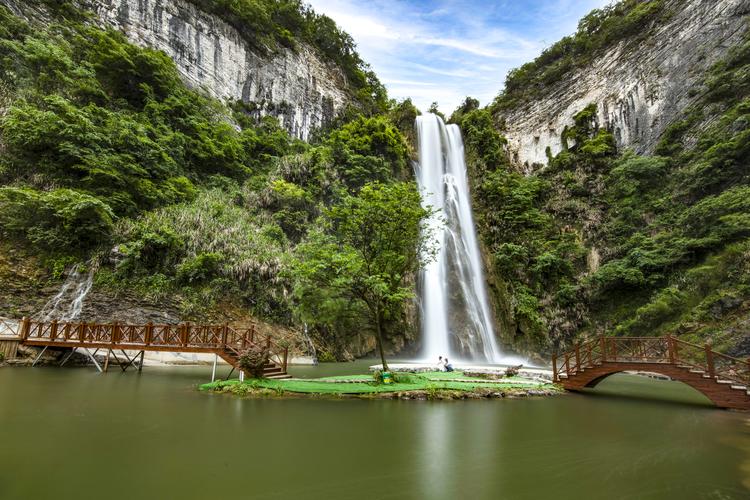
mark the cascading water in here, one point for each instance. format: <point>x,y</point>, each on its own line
<point>310,346</point>
<point>456,319</point>
<point>68,303</point>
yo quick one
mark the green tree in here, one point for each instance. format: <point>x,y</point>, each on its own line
<point>368,247</point>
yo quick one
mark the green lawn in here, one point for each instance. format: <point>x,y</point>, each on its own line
<point>364,384</point>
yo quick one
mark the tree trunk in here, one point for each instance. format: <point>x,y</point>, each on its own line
<point>379,338</point>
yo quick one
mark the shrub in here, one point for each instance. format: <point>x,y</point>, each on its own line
<point>326,357</point>
<point>406,378</point>
<point>200,268</point>
<point>62,219</point>
<point>369,137</point>
<point>254,359</point>
<point>151,249</point>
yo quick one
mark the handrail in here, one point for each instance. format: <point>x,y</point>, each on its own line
<point>684,342</point>
<point>650,350</point>
<point>155,336</point>
<point>9,327</point>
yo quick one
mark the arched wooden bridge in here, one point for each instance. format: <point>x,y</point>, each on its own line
<point>721,378</point>
<point>222,340</point>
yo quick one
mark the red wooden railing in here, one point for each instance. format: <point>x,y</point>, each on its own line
<point>185,337</point>
<point>650,350</point>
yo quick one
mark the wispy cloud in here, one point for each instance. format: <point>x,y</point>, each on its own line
<point>442,50</point>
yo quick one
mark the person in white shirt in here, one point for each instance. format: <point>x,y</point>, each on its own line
<point>441,364</point>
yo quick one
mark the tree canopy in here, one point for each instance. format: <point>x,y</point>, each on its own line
<point>367,248</point>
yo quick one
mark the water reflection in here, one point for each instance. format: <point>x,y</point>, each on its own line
<point>437,450</point>
<point>743,444</point>
<point>181,443</point>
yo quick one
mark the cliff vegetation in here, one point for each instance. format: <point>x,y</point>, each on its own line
<point>607,241</point>
<point>267,24</point>
<point>627,21</point>
<point>108,157</point>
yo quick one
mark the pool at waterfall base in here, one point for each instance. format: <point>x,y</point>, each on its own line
<point>75,434</point>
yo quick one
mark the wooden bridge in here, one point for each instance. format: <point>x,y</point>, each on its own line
<point>721,378</point>
<point>224,341</point>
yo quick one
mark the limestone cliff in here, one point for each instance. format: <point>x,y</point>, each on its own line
<point>297,86</point>
<point>638,90</point>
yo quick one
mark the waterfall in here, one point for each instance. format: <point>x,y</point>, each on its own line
<point>67,304</point>
<point>456,318</point>
<point>310,346</point>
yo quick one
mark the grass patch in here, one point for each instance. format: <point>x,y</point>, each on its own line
<point>364,384</point>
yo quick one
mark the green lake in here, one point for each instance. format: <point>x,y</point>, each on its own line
<point>76,434</point>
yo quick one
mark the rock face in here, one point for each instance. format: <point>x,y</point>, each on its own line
<point>298,87</point>
<point>640,90</point>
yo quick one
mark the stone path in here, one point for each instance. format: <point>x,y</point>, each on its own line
<point>499,370</point>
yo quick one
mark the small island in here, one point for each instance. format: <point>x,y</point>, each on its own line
<point>428,385</point>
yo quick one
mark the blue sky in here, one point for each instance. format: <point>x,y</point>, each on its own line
<point>441,50</point>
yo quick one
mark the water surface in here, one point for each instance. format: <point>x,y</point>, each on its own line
<point>75,434</point>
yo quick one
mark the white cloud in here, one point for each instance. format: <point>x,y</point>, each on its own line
<point>438,50</point>
<point>390,81</point>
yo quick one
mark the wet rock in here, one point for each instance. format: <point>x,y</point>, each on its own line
<point>724,305</point>
<point>534,392</point>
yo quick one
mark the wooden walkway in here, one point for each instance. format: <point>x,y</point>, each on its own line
<point>223,340</point>
<point>721,378</point>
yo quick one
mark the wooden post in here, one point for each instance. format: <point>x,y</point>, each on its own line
<point>603,347</point>
<point>567,364</point>
<point>53,330</point>
<point>268,342</point>
<point>578,357</point>
<point>554,368</point>
<point>140,365</point>
<point>149,332</point>
<point>66,331</point>
<point>25,328</point>
<point>286,358</point>
<point>224,335</point>
<point>106,361</point>
<point>115,332</point>
<point>590,354</point>
<point>670,348</point>
<point>183,333</point>
<point>252,333</point>
<point>710,360</point>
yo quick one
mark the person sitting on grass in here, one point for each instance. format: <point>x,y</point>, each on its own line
<point>448,367</point>
<point>441,364</point>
